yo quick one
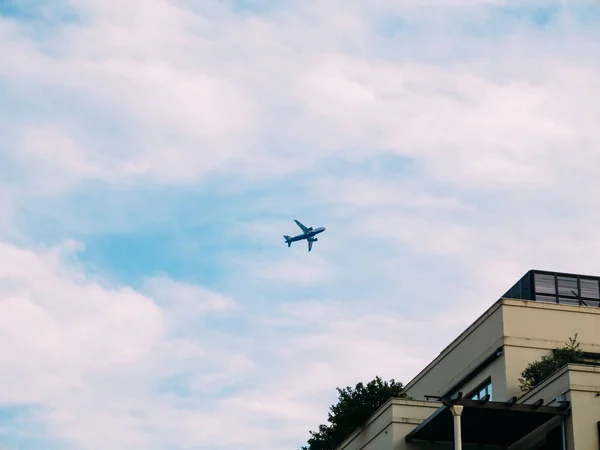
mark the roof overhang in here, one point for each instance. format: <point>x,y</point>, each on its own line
<point>486,423</point>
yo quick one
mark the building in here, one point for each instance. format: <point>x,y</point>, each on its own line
<point>470,396</point>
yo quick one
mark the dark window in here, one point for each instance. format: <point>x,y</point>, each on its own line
<point>545,298</point>
<point>544,284</point>
<point>567,286</point>
<point>566,289</point>
<point>482,391</point>
<point>589,289</point>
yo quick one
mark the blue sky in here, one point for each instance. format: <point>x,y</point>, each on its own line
<point>152,155</point>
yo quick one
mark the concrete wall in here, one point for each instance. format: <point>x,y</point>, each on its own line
<point>584,385</point>
<point>386,429</point>
<point>549,390</point>
<point>548,325</point>
<point>406,417</point>
<point>474,345</point>
<point>516,360</point>
<point>580,385</point>
<point>527,330</point>
<point>376,434</point>
<point>533,329</point>
<point>497,372</point>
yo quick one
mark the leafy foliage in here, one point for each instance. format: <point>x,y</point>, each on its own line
<point>352,410</point>
<point>538,371</point>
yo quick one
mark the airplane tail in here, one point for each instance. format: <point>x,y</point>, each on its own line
<point>288,240</point>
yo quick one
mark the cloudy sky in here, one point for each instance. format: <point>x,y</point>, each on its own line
<point>154,152</point>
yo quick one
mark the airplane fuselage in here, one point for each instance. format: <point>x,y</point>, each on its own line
<point>307,235</point>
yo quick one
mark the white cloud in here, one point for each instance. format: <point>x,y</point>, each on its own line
<point>460,124</point>
<point>92,355</point>
<point>316,346</point>
<point>65,325</point>
<point>502,136</point>
<point>187,298</point>
<point>190,113</point>
<point>95,355</point>
<point>370,192</point>
<point>296,271</point>
<point>417,233</point>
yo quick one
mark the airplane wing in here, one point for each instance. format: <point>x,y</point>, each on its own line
<point>302,227</point>
<point>310,243</point>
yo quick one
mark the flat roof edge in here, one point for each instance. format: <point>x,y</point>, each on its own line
<point>410,402</point>
<point>547,305</point>
<point>393,401</point>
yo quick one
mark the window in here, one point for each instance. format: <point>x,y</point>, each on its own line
<point>567,289</point>
<point>482,391</point>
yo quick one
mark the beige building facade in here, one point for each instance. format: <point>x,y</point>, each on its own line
<point>478,375</point>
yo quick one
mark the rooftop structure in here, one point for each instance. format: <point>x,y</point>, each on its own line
<point>557,287</point>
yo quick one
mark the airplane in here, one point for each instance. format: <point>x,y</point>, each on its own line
<point>308,233</point>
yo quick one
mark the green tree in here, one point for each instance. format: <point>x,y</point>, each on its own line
<point>352,410</point>
<point>538,371</point>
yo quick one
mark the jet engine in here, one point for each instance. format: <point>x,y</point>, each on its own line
<point>315,240</point>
